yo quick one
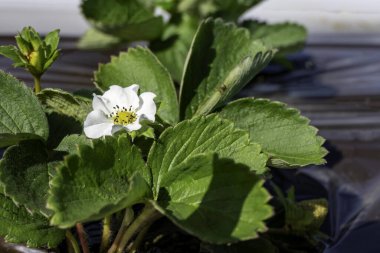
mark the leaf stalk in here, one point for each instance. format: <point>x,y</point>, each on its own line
<point>148,215</point>
<point>106,234</point>
<point>74,244</point>
<point>82,238</point>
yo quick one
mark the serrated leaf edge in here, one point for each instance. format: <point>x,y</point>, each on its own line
<point>301,118</point>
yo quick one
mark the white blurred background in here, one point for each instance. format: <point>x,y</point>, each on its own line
<point>337,17</point>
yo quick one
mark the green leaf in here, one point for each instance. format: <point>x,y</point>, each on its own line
<point>24,46</point>
<point>227,9</point>
<point>200,135</point>
<point>174,45</point>
<point>60,126</point>
<point>12,53</point>
<point>97,181</point>
<point>96,40</point>
<point>21,115</point>
<point>56,100</point>
<point>217,200</point>
<point>71,143</point>
<point>259,245</point>
<point>24,175</point>
<point>52,40</point>
<point>19,226</point>
<point>285,136</point>
<point>140,66</point>
<point>221,61</point>
<point>128,20</point>
<point>51,60</point>
<point>285,37</point>
<point>233,9</point>
<point>35,54</point>
<point>66,113</point>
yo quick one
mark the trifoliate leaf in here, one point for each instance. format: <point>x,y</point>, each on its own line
<point>221,61</point>
<point>24,175</point>
<point>59,101</point>
<point>99,180</point>
<point>96,40</point>
<point>285,37</point>
<point>285,136</point>
<point>200,135</point>
<point>21,115</point>
<point>217,200</point>
<point>174,45</point>
<point>140,66</point>
<point>128,20</point>
<point>17,225</point>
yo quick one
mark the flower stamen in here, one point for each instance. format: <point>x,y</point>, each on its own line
<point>123,116</point>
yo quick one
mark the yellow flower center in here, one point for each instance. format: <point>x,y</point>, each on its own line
<point>123,116</point>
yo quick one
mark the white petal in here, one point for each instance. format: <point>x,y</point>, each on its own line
<point>116,128</point>
<point>132,97</point>
<point>97,125</point>
<point>147,108</point>
<point>123,97</point>
<point>101,104</point>
<point>133,127</point>
<point>134,87</point>
<point>160,12</point>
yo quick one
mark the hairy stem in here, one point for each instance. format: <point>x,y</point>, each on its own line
<point>82,238</point>
<point>37,84</point>
<point>73,242</point>
<point>147,217</point>
<point>106,234</point>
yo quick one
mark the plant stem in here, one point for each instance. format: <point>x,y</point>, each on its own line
<point>147,217</point>
<point>106,234</point>
<point>139,239</point>
<point>37,84</point>
<point>127,220</point>
<point>73,241</point>
<point>82,238</point>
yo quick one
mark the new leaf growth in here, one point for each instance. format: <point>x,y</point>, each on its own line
<point>33,53</point>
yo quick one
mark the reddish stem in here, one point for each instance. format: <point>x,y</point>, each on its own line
<point>82,238</point>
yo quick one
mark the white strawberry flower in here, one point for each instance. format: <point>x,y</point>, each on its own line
<point>119,108</point>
